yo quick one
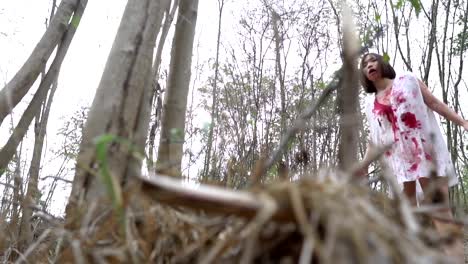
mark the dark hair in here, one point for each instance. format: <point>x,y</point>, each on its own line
<point>384,67</point>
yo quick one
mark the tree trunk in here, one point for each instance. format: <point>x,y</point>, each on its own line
<point>175,102</point>
<point>25,235</point>
<point>214,95</point>
<point>121,108</point>
<point>156,92</point>
<point>349,100</point>
<point>32,193</point>
<point>17,193</point>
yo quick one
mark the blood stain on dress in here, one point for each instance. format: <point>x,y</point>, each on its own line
<point>413,167</point>
<point>386,110</point>
<point>428,157</point>
<point>410,120</point>
<point>399,97</point>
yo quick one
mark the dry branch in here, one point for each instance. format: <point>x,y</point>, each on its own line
<point>203,197</point>
<point>7,152</point>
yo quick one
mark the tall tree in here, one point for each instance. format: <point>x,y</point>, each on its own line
<point>120,110</point>
<point>25,234</point>
<point>175,101</point>
<point>32,193</point>
<point>157,90</point>
<point>214,95</point>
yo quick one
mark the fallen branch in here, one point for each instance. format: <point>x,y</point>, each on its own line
<point>209,198</point>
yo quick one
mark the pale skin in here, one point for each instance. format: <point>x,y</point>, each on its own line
<point>371,70</point>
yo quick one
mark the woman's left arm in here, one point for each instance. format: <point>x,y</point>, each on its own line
<point>440,107</point>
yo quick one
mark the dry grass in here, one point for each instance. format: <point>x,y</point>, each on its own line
<point>330,221</point>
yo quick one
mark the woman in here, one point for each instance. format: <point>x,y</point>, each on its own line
<point>400,112</point>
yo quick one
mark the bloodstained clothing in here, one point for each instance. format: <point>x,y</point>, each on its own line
<point>402,118</point>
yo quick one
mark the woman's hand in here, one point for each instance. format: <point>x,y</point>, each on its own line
<point>465,125</point>
<point>364,172</point>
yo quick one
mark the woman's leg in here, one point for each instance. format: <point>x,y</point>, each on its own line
<point>436,192</point>
<point>409,188</point>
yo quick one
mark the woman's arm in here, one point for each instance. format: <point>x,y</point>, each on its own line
<point>363,171</point>
<point>440,107</point>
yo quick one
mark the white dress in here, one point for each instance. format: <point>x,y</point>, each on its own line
<point>408,123</point>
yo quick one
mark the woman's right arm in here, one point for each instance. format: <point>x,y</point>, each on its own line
<point>440,107</point>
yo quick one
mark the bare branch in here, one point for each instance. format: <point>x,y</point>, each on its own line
<point>15,90</point>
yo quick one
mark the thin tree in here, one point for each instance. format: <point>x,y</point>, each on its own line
<point>156,93</point>
<point>175,101</point>
<point>214,95</point>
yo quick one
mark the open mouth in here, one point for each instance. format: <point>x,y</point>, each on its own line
<point>372,71</point>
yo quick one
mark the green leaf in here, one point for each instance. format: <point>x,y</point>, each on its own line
<point>417,6</point>
<point>176,135</point>
<point>386,57</point>
<point>399,4</point>
<point>75,21</point>
<point>110,182</point>
<point>206,127</point>
<point>321,84</point>
<point>377,17</point>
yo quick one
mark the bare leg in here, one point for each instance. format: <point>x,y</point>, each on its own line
<point>409,188</point>
<point>437,190</point>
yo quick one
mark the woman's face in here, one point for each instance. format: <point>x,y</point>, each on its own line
<point>371,68</point>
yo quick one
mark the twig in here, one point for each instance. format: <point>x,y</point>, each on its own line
<point>252,230</point>
<point>8,185</point>
<point>306,229</point>
<point>77,252</point>
<point>57,178</point>
<point>34,246</point>
<point>88,217</point>
<point>307,250</point>
<point>217,248</point>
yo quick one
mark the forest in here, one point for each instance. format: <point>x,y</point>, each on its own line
<point>217,131</point>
